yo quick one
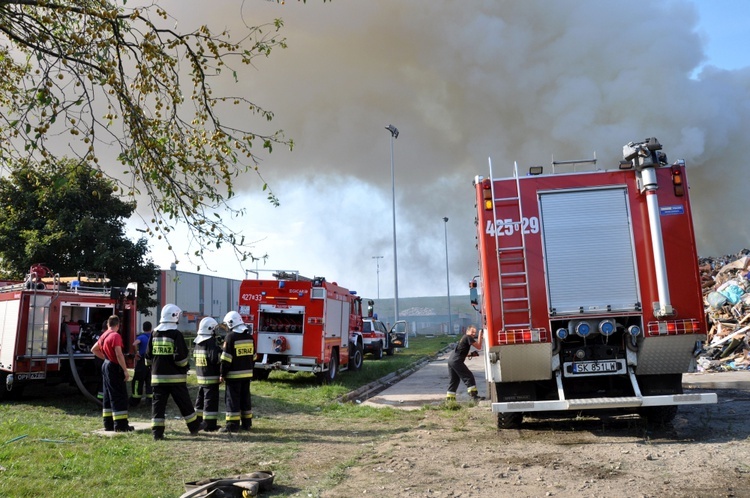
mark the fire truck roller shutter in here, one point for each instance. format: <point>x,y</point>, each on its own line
<point>589,252</point>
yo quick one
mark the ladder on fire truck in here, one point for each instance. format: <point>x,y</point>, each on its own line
<point>512,266</point>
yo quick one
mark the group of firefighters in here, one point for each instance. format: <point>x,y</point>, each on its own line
<point>163,357</point>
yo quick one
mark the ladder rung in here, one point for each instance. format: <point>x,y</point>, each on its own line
<point>513,274</point>
<point>515,300</point>
<point>517,325</point>
<point>509,249</point>
<point>504,199</point>
<point>517,310</point>
<point>516,284</point>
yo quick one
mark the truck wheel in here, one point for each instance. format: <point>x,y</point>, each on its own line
<point>333,369</point>
<point>355,357</point>
<point>503,420</point>
<point>659,416</point>
<point>12,395</point>
<point>509,420</point>
<point>261,374</point>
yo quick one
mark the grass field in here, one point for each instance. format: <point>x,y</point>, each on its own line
<point>47,447</point>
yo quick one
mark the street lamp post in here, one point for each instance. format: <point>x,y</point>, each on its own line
<point>394,135</point>
<point>377,263</point>
<point>448,278</point>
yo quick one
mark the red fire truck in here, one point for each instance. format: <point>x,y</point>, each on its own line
<point>590,290</point>
<point>48,324</point>
<point>303,325</point>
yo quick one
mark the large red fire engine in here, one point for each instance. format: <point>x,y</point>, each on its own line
<point>590,290</point>
<point>49,323</point>
<point>303,325</point>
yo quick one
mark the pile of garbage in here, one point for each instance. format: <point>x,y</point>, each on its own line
<point>725,281</point>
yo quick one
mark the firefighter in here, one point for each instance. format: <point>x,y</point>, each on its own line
<point>237,371</point>
<point>167,355</point>
<point>457,369</point>
<point>207,356</point>
<point>141,374</point>
<point>114,377</point>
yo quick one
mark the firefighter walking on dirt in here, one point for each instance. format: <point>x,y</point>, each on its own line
<point>167,355</point>
<point>457,369</point>
<point>237,371</point>
<point>207,356</point>
<point>114,377</point>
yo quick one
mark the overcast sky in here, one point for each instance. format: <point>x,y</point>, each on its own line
<point>463,81</point>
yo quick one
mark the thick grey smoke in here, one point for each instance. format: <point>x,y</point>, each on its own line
<point>515,80</point>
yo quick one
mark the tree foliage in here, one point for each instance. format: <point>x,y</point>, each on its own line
<point>69,218</point>
<point>111,84</point>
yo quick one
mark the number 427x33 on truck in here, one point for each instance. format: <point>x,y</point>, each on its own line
<point>590,288</point>
<point>302,325</point>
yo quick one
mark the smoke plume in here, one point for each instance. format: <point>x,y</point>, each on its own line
<point>518,81</point>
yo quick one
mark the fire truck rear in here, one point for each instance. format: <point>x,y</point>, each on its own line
<point>590,290</point>
<point>303,325</point>
<point>49,323</point>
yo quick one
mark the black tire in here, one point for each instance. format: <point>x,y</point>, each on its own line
<point>333,369</point>
<point>378,353</point>
<point>261,374</point>
<point>356,356</point>
<point>389,347</point>
<point>13,395</point>
<point>659,416</point>
<point>503,420</point>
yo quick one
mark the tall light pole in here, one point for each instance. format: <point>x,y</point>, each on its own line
<point>377,263</point>
<point>448,278</point>
<point>394,135</point>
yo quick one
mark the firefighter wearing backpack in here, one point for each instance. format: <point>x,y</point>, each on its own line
<point>207,357</point>
<point>167,355</point>
<point>237,371</point>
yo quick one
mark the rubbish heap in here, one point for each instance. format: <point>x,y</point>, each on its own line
<point>725,281</point>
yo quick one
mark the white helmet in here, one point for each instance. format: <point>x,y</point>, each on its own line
<point>206,329</point>
<point>170,316</point>
<point>233,321</point>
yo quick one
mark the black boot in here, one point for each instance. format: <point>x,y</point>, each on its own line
<point>122,426</point>
<point>231,427</point>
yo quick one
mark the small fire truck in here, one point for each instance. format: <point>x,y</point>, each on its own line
<point>49,323</point>
<point>302,324</point>
<point>590,289</point>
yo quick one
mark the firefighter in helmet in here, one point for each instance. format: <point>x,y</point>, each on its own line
<point>167,355</point>
<point>207,356</point>
<point>237,361</point>
<point>457,369</point>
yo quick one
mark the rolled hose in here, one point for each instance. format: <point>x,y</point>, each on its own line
<point>74,371</point>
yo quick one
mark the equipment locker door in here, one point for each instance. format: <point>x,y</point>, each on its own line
<point>588,245</point>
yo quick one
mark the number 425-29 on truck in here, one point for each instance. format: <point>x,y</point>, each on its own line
<point>590,288</point>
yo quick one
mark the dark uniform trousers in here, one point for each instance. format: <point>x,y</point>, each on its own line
<point>181,397</point>
<point>458,371</point>
<point>238,403</point>
<point>141,382</point>
<point>207,405</point>
<point>115,397</point>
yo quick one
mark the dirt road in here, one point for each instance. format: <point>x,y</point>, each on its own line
<point>459,453</point>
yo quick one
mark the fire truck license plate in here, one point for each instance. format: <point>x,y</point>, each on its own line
<point>31,376</point>
<point>595,367</point>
